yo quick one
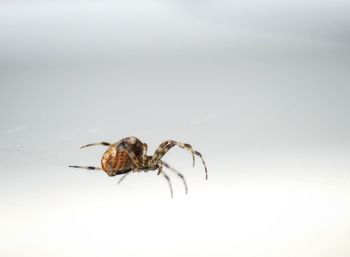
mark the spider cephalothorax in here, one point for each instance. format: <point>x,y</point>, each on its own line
<point>130,155</point>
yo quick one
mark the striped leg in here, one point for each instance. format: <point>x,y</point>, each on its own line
<point>167,178</point>
<point>164,147</point>
<point>205,166</point>
<point>178,173</point>
<point>85,167</point>
<point>167,145</point>
<point>126,145</point>
<point>101,143</point>
<point>144,152</point>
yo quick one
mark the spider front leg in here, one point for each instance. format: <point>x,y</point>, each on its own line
<point>167,145</point>
<point>160,170</point>
<point>164,147</point>
<point>177,173</point>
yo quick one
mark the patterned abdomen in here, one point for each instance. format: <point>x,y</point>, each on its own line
<point>114,162</point>
<point>116,159</point>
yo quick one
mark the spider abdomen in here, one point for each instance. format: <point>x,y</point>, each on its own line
<point>116,159</point>
<point>114,162</point>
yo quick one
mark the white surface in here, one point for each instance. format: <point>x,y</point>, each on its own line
<point>260,88</point>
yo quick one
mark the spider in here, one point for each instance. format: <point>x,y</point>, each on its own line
<point>130,155</point>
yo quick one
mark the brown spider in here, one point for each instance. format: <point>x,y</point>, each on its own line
<point>130,155</point>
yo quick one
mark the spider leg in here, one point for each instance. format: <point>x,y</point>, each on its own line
<point>101,143</point>
<point>85,167</point>
<point>167,145</point>
<point>164,147</point>
<point>126,145</point>
<point>178,173</point>
<point>123,177</point>
<point>168,180</point>
<point>144,152</point>
<point>205,166</point>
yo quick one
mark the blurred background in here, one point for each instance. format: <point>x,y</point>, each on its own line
<point>260,88</point>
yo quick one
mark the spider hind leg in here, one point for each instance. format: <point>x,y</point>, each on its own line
<point>123,177</point>
<point>101,143</point>
<point>85,167</point>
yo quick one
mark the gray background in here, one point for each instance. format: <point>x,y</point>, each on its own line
<point>261,88</point>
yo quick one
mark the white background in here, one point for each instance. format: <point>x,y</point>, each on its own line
<point>260,88</point>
